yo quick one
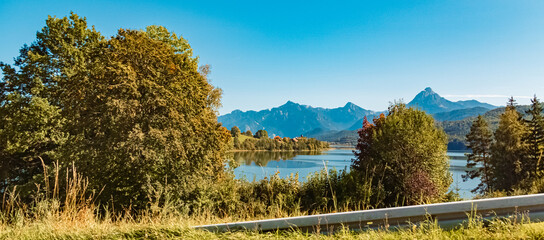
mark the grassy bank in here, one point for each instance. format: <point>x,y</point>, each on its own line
<point>75,216</point>
<point>73,213</point>
<point>179,228</point>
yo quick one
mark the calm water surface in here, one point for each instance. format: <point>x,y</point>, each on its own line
<point>257,165</point>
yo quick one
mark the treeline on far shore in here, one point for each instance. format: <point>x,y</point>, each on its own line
<point>261,141</point>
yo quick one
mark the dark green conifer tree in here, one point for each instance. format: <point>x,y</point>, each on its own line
<point>534,138</point>
<point>508,149</point>
<point>479,141</point>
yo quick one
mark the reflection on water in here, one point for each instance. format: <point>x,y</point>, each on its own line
<point>261,158</point>
<point>256,165</point>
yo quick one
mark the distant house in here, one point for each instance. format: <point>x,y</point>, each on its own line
<point>295,139</point>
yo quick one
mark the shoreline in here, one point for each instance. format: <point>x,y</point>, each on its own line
<point>243,150</point>
<point>334,147</point>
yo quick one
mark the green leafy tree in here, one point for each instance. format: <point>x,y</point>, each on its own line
<point>237,144</point>
<point>404,154</point>
<point>136,110</point>
<point>248,133</point>
<point>479,141</point>
<point>29,134</point>
<point>249,144</point>
<point>508,150</point>
<point>33,118</point>
<point>235,131</point>
<point>261,134</point>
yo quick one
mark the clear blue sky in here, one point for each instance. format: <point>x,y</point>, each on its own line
<point>326,53</point>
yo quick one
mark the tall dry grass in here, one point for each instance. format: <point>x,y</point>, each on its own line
<point>69,211</point>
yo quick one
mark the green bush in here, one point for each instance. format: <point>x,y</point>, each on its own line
<point>407,156</point>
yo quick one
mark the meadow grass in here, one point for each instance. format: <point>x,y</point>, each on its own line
<point>243,137</point>
<point>74,215</point>
<point>181,229</point>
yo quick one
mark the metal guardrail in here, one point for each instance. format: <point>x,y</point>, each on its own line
<point>447,215</point>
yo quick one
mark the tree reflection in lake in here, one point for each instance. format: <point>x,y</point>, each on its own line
<point>261,158</point>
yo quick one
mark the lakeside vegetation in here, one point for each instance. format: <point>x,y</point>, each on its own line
<point>75,216</point>
<point>261,142</point>
<point>112,134</point>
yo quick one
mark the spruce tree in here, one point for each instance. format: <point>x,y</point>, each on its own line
<point>507,152</point>
<point>534,137</point>
<point>479,141</point>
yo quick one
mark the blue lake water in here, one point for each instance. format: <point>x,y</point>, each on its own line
<point>257,165</point>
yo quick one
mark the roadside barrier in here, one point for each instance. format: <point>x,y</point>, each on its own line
<point>447,215</point>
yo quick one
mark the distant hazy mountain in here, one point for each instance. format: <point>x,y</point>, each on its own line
<point>430,102</point>
<point>292,119</point>
<point>455,123</point>
<point>341,124</point>
<point>458,129</point>
<point>359,123</point>
<point>460,114</point>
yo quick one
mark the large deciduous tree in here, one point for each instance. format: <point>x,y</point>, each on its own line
<point>404,154</point>
<point>135,109</point>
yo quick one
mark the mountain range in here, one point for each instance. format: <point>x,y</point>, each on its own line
<point>293,119</point>
<point>340,124</point>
